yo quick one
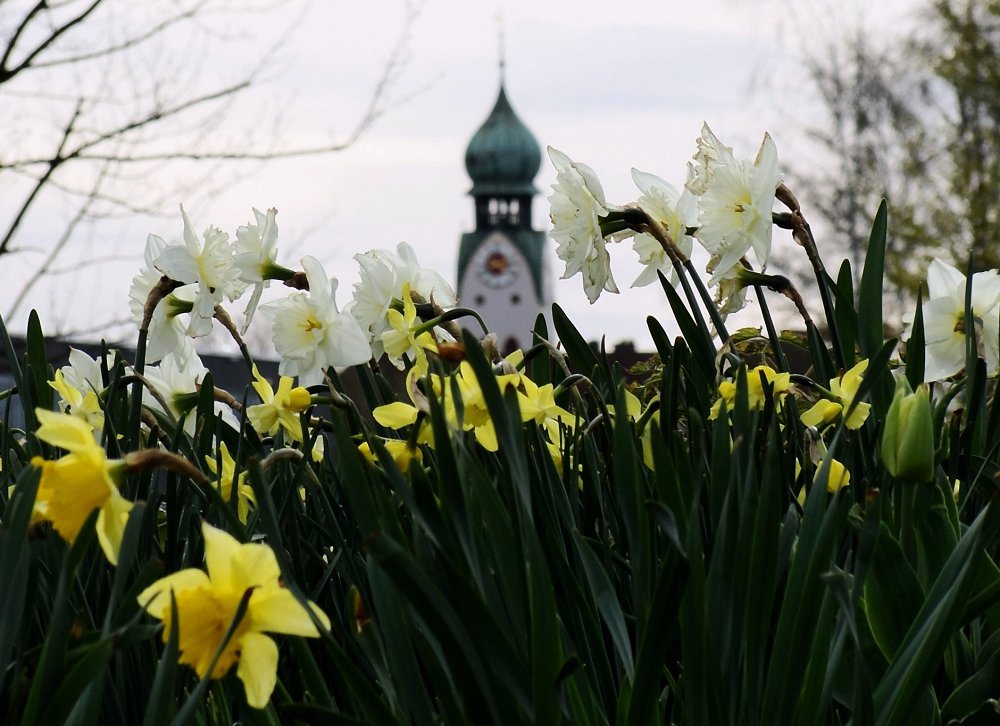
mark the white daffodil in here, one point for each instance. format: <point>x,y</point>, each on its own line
<point>84,373</point>
<point>383,275</point>
<point>178,385</point>
<point>576,206</point>
<point>210,264</point>
<point>945,326</point>
<point>256,252</point>
<point>735,201</point>
<point>79,386</point>
<point>311,334</point>
<point>167,332</point>
<point>676,211</point>
<point>710,155</point>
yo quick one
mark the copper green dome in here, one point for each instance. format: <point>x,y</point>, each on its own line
<point>503,157</point>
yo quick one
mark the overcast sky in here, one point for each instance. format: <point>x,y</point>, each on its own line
<point>614,85</point>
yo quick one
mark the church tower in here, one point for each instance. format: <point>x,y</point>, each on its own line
<point>501,264</point>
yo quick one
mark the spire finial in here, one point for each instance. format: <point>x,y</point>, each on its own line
<point>500,47</point>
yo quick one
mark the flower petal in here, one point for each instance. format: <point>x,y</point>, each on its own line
<point>156,598</point>
<point>275,610</point>
<point>111,523</point>
<point>258,668</point>
<point>221,549</point>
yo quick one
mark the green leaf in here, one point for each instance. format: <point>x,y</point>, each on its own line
<point>893,594</point>
<point>603,595</point>
<point>15,561</point>
<point>161,704</point>
<point>915,351</point>
<point>870,325</point>
<point>916,658</point>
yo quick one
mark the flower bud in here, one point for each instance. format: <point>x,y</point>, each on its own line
<point>299,399</point>
<point>908,438</point>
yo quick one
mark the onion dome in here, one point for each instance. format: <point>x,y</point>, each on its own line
<point>503,157</point>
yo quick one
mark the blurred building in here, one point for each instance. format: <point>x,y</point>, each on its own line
<point>502,272</point>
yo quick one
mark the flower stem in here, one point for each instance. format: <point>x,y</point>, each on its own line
<point>803,236</point>
<point>682,265</point>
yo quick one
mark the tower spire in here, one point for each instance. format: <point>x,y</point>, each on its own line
<point>501,50</point>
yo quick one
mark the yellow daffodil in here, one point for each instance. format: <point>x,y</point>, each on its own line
<point>839,477</point>
<point>224,482</point>
<point>78,483</point>
<point>538,404</point>
<point>278,409</point>
<point>402,337</point>
<point>476,415</point>
<point>401,451</point>
<point>208,603</point>
<point>757,395</point>
<point>85,406</point>
<point>844,388</point>
<point>399,414</point>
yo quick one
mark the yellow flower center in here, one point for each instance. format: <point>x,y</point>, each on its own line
<point>311,324</point>
<point>203,620</point>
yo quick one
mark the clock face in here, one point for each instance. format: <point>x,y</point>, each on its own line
<point>497,267</point>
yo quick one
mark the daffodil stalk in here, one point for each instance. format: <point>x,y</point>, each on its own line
<point>160,290</point>
<point>637,219</point>
<point>223,317</point>
<point>775,283</point>
<point>803,236</point>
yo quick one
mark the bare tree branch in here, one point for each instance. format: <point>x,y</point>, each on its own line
<point>7,73</point>
<point>53,164</point>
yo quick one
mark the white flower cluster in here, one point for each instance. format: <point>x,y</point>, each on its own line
<point>309,331</point>
<point>725,204</point>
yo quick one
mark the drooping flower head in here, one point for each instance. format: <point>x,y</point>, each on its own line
<point>735,201</point>
<point>228,483</point>
<point>207,604</point>
<point>279,409</point>
<point>676,211</point>
<point>763,384</point>
<point>76,484</point>
<point>256,255</point>
<point>309,331</point>
<point>79,385</point>
<point>167,331</point>
<point>576,206</point>
<point>945,326</point>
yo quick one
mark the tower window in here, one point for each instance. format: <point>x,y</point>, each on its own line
<point>515,299</point>
<point>479,299</point>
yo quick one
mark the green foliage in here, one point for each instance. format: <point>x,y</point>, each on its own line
<point>688,557</point>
